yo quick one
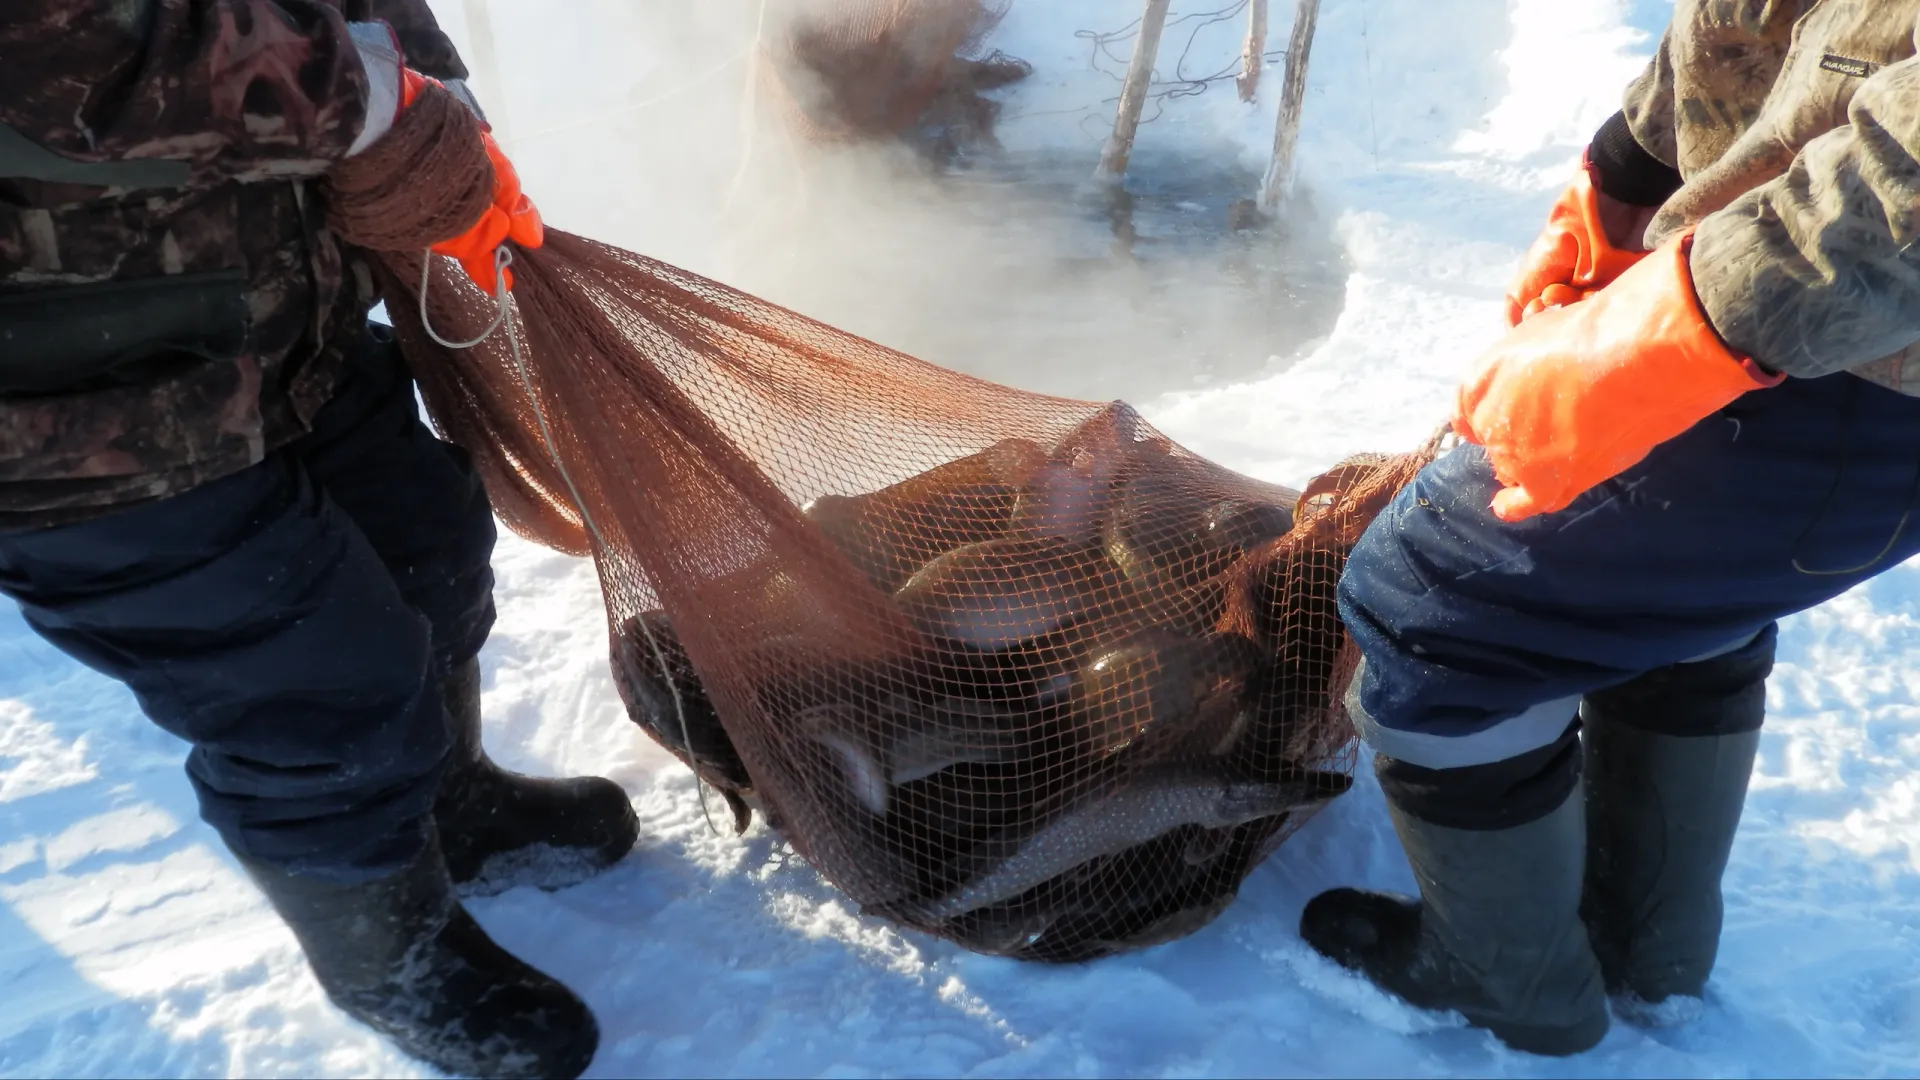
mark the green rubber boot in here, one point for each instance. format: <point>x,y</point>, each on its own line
<point>1495,934</point>
<point>1662,810</point>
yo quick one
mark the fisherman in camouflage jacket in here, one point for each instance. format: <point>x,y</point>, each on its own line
<point>215,487</point>
<point>1702,420</point>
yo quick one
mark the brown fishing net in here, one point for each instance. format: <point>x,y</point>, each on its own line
<point>841,70</point>
<point>1013,670</point>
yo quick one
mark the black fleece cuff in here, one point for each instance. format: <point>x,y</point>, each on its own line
<point>1623,170</point>
<point>1498,795</point>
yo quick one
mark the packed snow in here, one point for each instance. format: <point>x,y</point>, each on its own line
<point>1435,137</point>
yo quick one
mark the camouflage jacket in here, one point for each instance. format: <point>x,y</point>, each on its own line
<point>195,130</point>
<point>1795,126</point>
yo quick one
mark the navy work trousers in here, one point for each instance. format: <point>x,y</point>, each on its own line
<point>292,622</point>
<point>1481,637</point>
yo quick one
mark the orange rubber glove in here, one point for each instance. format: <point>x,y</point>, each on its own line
<point>511,217</point>
<point>1574,396</point>
<point>1572,256</point>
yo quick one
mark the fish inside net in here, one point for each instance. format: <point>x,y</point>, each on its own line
<point>1010,669</point>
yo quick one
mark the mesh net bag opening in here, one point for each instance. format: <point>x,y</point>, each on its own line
<point>1013,670</point>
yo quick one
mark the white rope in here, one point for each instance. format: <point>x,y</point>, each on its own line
<point>501,260</point>
<point>499,314</point>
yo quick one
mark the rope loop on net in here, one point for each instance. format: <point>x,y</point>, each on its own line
<point>502,317</point>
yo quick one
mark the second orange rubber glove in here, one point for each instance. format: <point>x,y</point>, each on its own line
<point>1574,396</point>
<point>511,217</point>
<point>1572,256</point>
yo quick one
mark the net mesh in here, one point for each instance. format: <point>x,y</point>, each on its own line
<point>841,70</point>
<point>1014,670</point>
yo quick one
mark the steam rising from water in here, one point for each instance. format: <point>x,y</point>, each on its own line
<point>631,121</point>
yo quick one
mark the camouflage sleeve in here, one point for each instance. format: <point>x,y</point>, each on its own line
<point>1648,105</point>
<point>429,51</point>
<point>1710,78</point>
<point>1818,271</point>
<point>244,89</point>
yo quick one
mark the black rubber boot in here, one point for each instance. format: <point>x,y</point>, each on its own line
<point>1496,934</point>
<point>1662,810</point>
<point>501,830</point>
<point>402,956</point>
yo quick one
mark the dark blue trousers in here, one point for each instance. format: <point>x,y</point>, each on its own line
<point>291,621</point>
<point>1481,637</point>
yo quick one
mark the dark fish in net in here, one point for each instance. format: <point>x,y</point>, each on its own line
<point>1098,774</point>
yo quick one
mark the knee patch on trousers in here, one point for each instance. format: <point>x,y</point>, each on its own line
<point>1497,795</point>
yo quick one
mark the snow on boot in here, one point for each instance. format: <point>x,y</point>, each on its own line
<point>402,956</point>
<point>501,830</point>
<point>1496,934</point>
<point>1662,810</point>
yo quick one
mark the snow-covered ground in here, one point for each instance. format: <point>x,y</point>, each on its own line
<point>1436,134</point>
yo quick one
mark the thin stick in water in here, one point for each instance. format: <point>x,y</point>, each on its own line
<point>1293,92</point>
<point>1133,96</point>
<point>1254,52</point>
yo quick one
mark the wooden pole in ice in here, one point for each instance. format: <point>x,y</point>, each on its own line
<point>1293,92</point>
<point>1133,95</point>
<point>1254,54</point>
